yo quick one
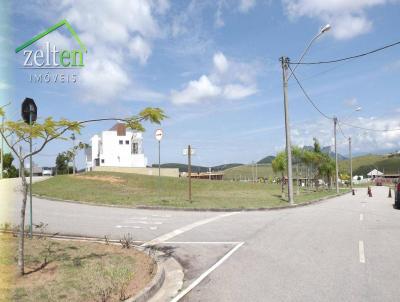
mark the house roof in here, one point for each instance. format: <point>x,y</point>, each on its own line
<point>120,128</point>
<point>375,172</point>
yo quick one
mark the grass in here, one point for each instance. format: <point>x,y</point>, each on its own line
<point>364,164</point>
<point>134,190</point>
<point>72,271</point>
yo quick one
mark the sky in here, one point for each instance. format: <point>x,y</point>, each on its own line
<point>213,67</point>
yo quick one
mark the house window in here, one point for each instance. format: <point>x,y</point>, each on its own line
<point>102,161</point>
<point>121,142</point>
<point>135,148</point>
<point>127,142</point>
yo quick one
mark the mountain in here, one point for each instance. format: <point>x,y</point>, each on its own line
<point>326,150</point>
<point>266,160</point>
<point>184,167</point>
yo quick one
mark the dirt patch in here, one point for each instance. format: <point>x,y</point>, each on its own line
<point>108,179</point>
<point>76,271</point>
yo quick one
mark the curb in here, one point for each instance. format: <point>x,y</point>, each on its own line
<point>151,289</point>
<point>145,207</point>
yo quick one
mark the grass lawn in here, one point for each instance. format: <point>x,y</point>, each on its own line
<point>134,190</point>
<point>72,271</point>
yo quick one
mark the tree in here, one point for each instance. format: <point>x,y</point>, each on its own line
<point>18,132</point>
<point>62,163</point>
<point>317,146</point>
<point>279,166</point>
<point>9,170</point>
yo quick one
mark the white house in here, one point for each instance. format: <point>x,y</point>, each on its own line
<point>117,147</point>
<point>374,173</point>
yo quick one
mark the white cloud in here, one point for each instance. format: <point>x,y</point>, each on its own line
<point>196,91</point>
<point>139,49</point>
<point>220,62</point>
<point>348,18</point>
<point>4,86</point>
<point>238,91</point>
<point>246,5</point>
<point>117,34</point>
<point>362,140</point>
<point>229,80</point>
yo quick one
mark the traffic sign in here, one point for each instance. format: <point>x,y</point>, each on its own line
<point>159,134</point>
<point>29,111</point>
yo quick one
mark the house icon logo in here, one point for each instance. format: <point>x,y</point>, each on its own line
<point>51,57</point>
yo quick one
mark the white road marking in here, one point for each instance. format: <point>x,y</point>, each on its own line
<point>206,273</point>
<point>153,228</point>
<point>145,222</point>
<point>128,226</point>
<point>361,217</point>
<point>361,251</point>
<point>162,216</point>
<point>202,242</point>
<point>186,228</point>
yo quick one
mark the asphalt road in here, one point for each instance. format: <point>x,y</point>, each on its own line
<point>344,249</point>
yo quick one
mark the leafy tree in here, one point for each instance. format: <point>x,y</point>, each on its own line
<point>317,146</point>
<point>62,163</point>
<point>9,170</point>
<point>279,165</point>
<point>18,132</point>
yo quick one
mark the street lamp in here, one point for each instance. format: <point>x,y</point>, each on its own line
<point>285,61</point>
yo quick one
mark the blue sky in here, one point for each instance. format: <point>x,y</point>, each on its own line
<point>213,67</point>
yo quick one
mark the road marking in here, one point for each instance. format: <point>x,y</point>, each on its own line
<point>128,226</point>
<point>145,222</point>
<point>184,229</point>
<point>361,251</point>
<point>206,273</point>
<point>153,228</point>
<point>361,217</point>
<point>202,242</point>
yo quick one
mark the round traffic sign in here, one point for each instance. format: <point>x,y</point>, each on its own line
<point>159,134</point>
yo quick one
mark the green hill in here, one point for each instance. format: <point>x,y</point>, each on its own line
<point>248,171</point>
<point>363,164</point>
<point>266,160</point>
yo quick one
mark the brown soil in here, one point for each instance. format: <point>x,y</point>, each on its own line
<point>109,179</point>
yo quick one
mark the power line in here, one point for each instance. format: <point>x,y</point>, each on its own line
<point>308,97</point>
<point>370,129</point>
<point>348,58</point>
<point>340,129</point>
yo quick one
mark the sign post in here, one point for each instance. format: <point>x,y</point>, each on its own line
<point>159,135</point>
<point>29,115</point>
<point>189,152</point>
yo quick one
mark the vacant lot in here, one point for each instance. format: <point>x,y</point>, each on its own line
<point>134,190</point>
<point>72,271</point>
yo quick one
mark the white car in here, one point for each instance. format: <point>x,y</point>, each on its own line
<point>47,171</point>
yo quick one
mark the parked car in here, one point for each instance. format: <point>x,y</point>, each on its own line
<point>46,171</point>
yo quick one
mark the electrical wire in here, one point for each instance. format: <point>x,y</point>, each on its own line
<point>370,129</point>
<point>341,131</point>
<point>347,58</point>
<point>308,97</point>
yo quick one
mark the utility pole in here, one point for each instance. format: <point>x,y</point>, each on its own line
<point>190,171</point>
<point>73,153</point>
<point>285,63</point>
<point>336,155</point>
<point>351,165</point>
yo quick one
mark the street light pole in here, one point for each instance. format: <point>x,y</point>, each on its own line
<point>336,155</point>
<point>284,64</point>
<point>73,153</point>
<point>351,165</point>
<point>30,175</point>
<point>190,171</point>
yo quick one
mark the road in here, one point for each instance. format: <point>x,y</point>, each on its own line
<point>343,249</point>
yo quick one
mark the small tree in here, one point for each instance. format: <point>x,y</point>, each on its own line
<point>9,169</point>
<point>18,132</point>
<point>279,166</point>
<point>61,163</point>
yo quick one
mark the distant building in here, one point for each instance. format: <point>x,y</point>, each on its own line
<point>117,147</point>
<point>374,174</point>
